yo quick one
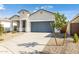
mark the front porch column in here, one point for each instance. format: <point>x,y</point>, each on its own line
<point>17,25</point>
<point>20,25</point>
<point>11,27</point>
<point>28,26</point>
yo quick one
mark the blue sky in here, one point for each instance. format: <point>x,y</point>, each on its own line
<point>70,10</point>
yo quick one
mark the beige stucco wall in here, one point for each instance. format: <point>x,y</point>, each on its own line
<point>23,15</point>
<point>42,16</point>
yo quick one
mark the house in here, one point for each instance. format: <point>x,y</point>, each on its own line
<point>5,23</point>
<point>38,21</point>
<point>73,26</point>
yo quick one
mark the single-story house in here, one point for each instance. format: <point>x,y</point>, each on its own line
<point>38,21</point>
<point>73,26</point>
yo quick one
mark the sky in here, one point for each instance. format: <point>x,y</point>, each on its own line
<point>69,10</point>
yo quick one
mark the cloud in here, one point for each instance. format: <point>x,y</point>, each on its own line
<point>44,7</point>
<point>37,8</point>
<point>2,7</point>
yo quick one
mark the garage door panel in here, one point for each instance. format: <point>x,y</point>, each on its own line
<point>40,27</point>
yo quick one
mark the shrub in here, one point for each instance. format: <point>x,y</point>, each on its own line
<point>1,32</point>
<point>1,39</point>
<point>75,38</point>
<point>1,29</point>
<point>13,32</point>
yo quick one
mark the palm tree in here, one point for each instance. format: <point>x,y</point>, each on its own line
<point>60,21</point>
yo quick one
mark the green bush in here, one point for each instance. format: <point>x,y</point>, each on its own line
<point>1,32</point>
<point>75,38</point>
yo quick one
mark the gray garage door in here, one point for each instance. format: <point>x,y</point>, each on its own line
<point>40,27</point>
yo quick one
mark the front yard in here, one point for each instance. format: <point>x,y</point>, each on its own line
<point>35,43</point>
<point>14,41</point>
<point>68,48</point>
<point>8,36</point>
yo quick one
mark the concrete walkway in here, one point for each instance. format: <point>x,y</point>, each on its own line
<point>24,43</point>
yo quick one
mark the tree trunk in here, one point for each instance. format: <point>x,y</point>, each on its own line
<point>55,38</point>
<point>64,38</point>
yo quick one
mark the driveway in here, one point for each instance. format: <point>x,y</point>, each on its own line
<point>27,42</point>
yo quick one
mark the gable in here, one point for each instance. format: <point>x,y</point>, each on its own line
<point>75,20</point>
<point>23,10</point>
<point>42,15</point>
<point>23,14</point>
<point>15,17</point>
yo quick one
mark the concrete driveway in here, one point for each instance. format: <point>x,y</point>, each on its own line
<point>27,42</point>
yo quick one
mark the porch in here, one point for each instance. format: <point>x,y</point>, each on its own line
<point>18,25</point>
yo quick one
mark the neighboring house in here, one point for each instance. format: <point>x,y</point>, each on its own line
<point>38,21</point>
<point>5,23</point>
<point>73,26</point>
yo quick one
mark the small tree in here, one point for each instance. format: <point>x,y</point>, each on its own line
<point>64,38</point>
<point>60,21</point>
<point>75,38</point>
<point>53,28</point>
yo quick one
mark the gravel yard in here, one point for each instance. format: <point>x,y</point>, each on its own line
<point>68,48</point>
